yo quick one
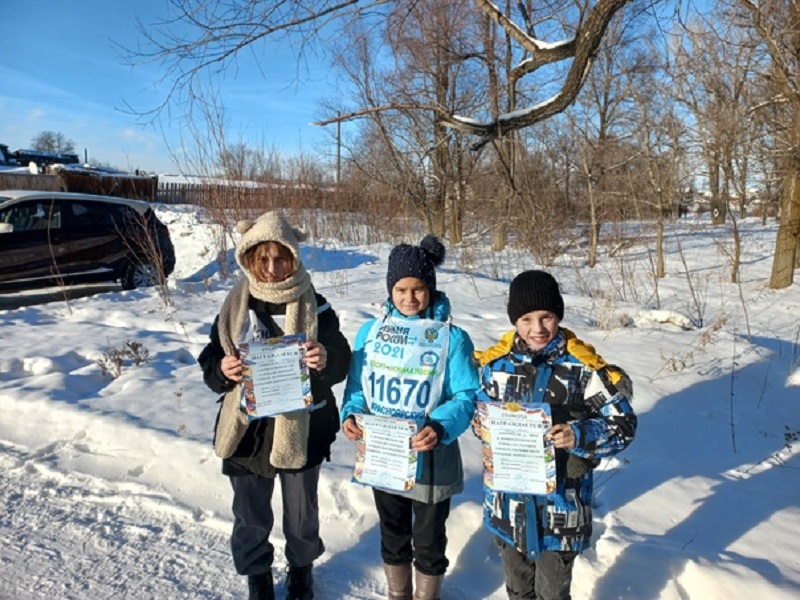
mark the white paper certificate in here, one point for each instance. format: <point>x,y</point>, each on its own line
<point>520,458</point>
<point>275,377</point>
<point>384,457</point>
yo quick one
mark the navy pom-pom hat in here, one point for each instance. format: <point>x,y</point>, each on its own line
<point>406,260</point>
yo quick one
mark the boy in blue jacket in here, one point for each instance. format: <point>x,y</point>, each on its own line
<point>442,403</point>
<point>590,403</point>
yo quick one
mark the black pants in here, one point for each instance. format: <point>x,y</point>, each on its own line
<point>549,577</point>
<point>413,531</point>
<point>253,519</point>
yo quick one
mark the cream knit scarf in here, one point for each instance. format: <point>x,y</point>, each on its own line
<point>288,447</point>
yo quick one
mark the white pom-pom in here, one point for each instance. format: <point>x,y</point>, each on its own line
<point>244,225</point>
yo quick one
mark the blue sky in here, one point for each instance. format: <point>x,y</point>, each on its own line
<point>60,71</point>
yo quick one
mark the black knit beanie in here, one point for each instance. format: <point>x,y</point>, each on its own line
<point>420,261</point>
<point>534,290</point>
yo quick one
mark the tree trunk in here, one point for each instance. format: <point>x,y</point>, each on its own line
<point>458,200</point>
<point>595,239</point>
<point>661,269</point>
<point>737,251</point>
<point>718,204</point>
<point>426,218</point>
<point>594,222</point>
<point>500,235</point>
<point>788,238</point>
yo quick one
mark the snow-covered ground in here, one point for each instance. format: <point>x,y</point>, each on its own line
<point>109,487</point>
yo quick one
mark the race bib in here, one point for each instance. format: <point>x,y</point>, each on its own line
<point>405,364</point>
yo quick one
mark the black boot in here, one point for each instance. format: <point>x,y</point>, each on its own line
<point>260,587</point>
<point>300,583</point>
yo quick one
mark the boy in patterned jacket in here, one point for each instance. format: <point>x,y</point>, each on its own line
<point>539,362</point>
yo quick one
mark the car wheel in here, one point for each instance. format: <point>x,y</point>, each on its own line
<point>139,274</point>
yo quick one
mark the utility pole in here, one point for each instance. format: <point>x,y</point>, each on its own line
<point>338,152</point>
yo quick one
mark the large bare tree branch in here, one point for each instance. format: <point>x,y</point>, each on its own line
<point>542,54</point>
<point>394,106</point>
<point>582,49</point>
<point>206,36</point>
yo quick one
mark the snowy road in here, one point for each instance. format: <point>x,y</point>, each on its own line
<point>82,537</point>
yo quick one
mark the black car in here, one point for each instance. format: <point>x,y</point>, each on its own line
<point>59,238</point>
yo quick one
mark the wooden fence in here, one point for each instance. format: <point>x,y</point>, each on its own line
<point>265,197</point>
<point>83,182</point>
<point>137,187</point>
<point>25,181</point>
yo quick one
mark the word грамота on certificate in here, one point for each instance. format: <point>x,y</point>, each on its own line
<point>517,456</point>
<point>275,378</point>
<point>384,457</point>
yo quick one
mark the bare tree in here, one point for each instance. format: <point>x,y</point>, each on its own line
<point>425,62</point>
<point>200,38</point>
<point>52,141</point>
<point>716,75</point>
<point>706,93</point>
<point>541,220</point>
<point>660,134</point>
<point>777,23</point>
<point>766,158</point>
<point>603,120</point>
<point>242,162</point>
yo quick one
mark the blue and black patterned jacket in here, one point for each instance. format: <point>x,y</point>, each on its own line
<point>604,423</point>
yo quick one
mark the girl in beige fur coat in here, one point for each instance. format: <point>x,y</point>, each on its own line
<point>273,298</point>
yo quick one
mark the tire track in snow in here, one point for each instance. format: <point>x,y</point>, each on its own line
<point>74,536</point>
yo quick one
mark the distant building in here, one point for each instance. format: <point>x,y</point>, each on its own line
<point>44,159</point>
<point>5,157</point>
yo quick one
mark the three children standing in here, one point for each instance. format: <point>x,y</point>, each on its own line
<point>538,362</point>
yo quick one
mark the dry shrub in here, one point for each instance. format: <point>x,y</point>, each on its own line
<point>115,359</point>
